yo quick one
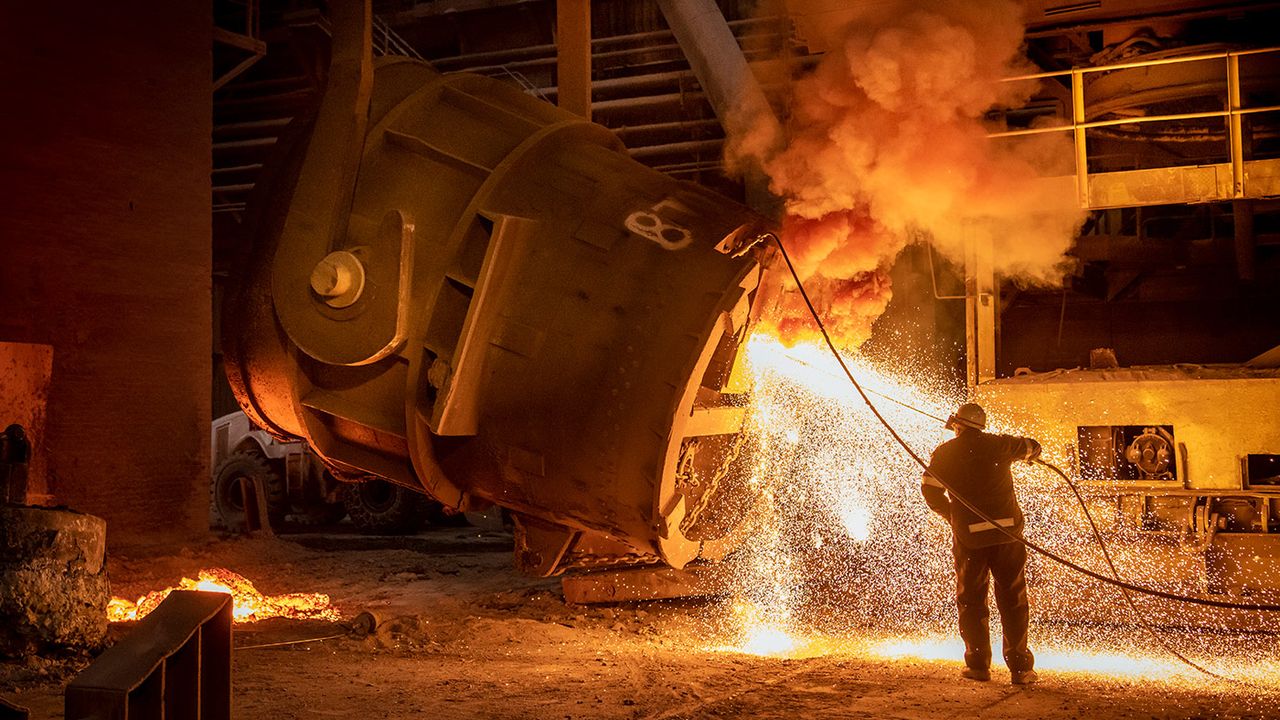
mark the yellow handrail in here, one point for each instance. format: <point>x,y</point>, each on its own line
<point>1078,125</point>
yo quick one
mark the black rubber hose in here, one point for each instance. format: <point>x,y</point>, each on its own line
<point>1124,592</point>
<point>967,503</point>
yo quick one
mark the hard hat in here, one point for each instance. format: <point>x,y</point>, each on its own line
<point>968,415</point>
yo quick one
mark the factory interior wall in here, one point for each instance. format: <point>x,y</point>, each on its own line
<point>917,333</point>
<point>25,371</point>
<point>1202,330</point>
<point>104,165</point>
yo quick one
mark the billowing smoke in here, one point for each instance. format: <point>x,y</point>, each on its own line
<point>884,145</point>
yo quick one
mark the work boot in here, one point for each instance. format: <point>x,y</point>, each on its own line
<point>979,674</point>
<point>1025,677</point>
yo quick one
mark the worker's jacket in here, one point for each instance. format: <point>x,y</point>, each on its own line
<point>975,465</point>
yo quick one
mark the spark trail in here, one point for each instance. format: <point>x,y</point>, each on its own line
<point>850,559</point>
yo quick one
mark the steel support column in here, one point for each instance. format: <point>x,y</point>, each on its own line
<point>979,311</point>
<point>1245,242</point>
<point>573,56</point>
<point>1236,125</point>
<point>1079,137</point>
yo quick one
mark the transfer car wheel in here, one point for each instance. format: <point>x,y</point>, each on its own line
<point>322,513</point>
<point>378,507</point>
<point>228,498</point>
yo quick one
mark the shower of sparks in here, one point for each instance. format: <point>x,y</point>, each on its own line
<point>250,605</point>
<point>765,640</point>
<point>848,549</point>
<point>758,633</point>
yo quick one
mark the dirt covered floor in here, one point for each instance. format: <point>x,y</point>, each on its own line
<point>463,636</point>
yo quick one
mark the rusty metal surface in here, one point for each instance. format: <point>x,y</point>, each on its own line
<point>257,516</point>
<point>10,711</point>
<point>176,663</point>
<point>315,223</point>
<point>564,319</point>
<point>1164,186</point>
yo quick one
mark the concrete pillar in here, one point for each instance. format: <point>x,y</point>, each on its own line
<point>105,251</point>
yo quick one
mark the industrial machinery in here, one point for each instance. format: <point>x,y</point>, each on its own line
<point>1184,449</point>
<point>295,483</point>
<point>469,292</point>
<point>289,477</point>
<point>1188,453</point>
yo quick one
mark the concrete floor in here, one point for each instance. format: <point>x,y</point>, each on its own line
<point>463,636</point>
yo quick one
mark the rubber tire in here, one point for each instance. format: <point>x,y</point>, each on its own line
<point>314,510</point>
<point>378,507</point>
<point>225,490</point>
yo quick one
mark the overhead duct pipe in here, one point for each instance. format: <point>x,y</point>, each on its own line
<point>718,63</point>
<point>726,78</point>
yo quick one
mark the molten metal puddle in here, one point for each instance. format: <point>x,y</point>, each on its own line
<point>250,605</point>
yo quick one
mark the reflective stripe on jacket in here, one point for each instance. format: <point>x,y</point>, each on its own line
<point>976,465</point>
<point>984,525</point>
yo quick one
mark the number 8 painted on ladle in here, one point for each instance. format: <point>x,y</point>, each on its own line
<point>650,225</point>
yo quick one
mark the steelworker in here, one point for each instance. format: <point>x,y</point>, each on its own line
<point>975,464</point>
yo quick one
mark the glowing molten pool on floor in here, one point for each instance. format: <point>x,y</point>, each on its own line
<point>250,604</point>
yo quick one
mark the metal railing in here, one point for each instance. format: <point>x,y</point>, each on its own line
<point>246,36</point>
<point>525,83</point>
<point>389,42</point>
<point>1234,112</point>
<point>383,39</point>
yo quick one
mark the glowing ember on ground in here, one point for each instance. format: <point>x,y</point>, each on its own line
<point>849,560</point>
<point>250,605</point>
<point>762,640</point>
<point>767,641</point>
<point>759,634</point>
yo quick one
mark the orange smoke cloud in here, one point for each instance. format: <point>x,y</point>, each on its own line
<point>840,257</point>
<point>884,145</point>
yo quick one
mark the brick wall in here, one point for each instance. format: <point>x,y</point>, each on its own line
<point>105,250</point>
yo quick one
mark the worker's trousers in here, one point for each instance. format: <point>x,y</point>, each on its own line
<point>1005,564</point>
